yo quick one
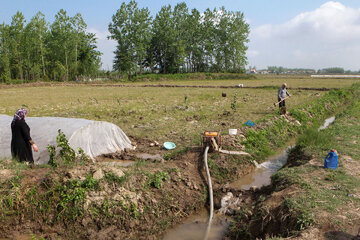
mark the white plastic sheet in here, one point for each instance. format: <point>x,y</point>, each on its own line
<point>94,137</point>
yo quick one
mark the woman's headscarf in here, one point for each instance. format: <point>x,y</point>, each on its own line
<point>19,115</point>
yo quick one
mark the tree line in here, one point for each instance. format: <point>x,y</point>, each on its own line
<point>178,40</point>
<point>330,70</point>
<point>61,51</point>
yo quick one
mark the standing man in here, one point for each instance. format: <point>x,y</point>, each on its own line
<point>281,98</point>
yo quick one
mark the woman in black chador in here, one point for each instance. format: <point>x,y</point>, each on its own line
<point>21,141</point>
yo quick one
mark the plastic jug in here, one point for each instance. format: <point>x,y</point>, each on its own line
<point>331,160</point>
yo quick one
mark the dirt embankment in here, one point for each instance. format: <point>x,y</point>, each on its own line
<point>301,209</point>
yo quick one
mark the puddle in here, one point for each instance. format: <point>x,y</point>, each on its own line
<point>146,156</point>
<point>194,228</point>
<point>115,162</point>
<point>327,123</point>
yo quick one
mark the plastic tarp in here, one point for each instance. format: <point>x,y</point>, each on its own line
<point>94,137</point>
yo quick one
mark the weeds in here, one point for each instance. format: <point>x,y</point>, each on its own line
<point>176,153</point>
<point>233,104</point>
<point>157,179</point>
<point>72,195</point>
<point>112,178</point>
<point>66,153</point>
<point>220,173</point>
<point>300,215</point>
<point>258,143</point>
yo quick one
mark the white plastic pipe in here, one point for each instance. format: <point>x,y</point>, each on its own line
<point>210,194</point>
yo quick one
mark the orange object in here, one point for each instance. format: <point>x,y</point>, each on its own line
<point>211,134</point>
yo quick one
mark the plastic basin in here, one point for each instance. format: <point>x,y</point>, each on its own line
<point>169,145</point>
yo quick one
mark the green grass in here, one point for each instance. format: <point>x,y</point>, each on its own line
<point>328,191</point>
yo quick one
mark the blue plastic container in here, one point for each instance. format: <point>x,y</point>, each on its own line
<point>331,160</point>
<point>169,145</point>
<point>250,123</point>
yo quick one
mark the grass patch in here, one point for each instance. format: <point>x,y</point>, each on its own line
<point>175,153</point>
<point>157,179</point>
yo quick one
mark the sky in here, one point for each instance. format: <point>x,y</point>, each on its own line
<point>294,34</point>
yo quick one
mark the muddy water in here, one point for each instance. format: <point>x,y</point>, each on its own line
<point>109,162</point>
<point>261,176</point>
<point>194,228</point>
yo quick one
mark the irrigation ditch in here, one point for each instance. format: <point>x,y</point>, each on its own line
<point>144,200</point>
<point>234,197</point>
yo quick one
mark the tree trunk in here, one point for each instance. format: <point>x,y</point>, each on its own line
<point>67,67</point>
<point>42,54</point>
<point>76,56</point>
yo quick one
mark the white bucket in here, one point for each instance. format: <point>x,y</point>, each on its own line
<point>232,131</point>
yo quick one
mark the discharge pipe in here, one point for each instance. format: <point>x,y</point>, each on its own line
<point>210,194</point>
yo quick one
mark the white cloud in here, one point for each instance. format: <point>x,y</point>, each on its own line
<point>106,47</point>
<point>325,37</point>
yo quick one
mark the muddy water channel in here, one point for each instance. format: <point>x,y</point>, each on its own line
<point>261,176</point>
<point>194,227</point>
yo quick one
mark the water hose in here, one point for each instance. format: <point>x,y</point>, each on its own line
<point>210,194</point>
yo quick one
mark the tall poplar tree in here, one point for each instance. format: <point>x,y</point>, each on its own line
<point>130,28</point>
<point>16,32</point>
<point>34,47</point>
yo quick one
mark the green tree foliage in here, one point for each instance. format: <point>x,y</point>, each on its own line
<point>333,70</point>
<point>130,27</point>
<point>5,74</point>
<point>37,50</point>
<point>16,40</point>
<point>166,52</point>
<point>179,40</point>
<point>280,70</point>
<point>34,50</point>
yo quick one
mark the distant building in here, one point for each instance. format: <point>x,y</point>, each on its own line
<point>263,72</point>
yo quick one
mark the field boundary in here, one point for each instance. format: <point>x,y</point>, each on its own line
<point>44,84</point>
